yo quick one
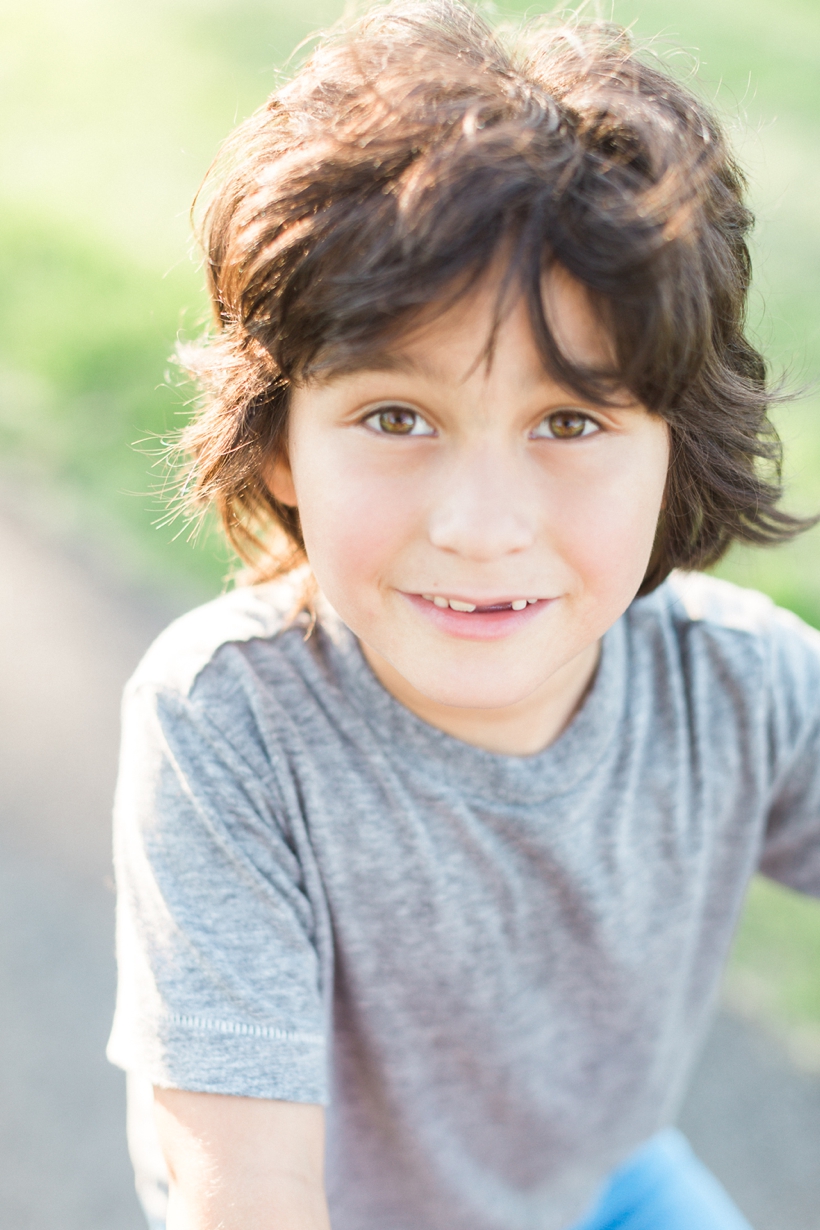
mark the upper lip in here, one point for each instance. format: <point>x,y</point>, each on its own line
<point>503,600</point>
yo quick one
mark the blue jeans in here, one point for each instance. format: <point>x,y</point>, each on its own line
<point>664,1187</point>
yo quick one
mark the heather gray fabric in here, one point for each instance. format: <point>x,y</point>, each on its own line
<point>494,970</point>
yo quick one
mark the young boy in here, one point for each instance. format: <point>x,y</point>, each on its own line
<point>431,843</point>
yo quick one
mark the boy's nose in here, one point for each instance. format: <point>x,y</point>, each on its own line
<point>482,511</point>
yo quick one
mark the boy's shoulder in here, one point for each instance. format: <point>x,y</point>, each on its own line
<point>180,654</point>
<point>730,621</point>
<point>712,603</point>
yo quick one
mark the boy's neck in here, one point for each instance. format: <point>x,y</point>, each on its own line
<point>518,730</point>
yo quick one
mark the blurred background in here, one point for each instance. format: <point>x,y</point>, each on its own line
<point>109,117</point>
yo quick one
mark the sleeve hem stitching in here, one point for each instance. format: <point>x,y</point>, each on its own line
<point>210,1025</point>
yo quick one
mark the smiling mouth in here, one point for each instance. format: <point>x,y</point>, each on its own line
<point>470,608</point>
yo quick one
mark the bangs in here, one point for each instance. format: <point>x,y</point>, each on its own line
<point>378,345</point>
<point>378,246</point>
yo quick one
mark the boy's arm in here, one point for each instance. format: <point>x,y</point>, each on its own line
<point>242,1163</point>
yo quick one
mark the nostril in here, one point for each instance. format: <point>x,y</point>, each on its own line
<point>481,537</point>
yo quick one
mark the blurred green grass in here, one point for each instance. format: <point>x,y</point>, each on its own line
<point>109,116</point>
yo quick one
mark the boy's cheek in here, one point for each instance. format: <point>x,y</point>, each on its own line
<point>608,544</point>
<point>353,536</point>
<point>366,530</point>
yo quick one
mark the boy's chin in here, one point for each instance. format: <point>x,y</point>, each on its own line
<point>473,691</point>
<point>425,681</point>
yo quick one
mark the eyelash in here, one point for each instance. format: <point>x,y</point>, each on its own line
<point>375,417</point>
<point>568,413</point>
<point>378,416</point>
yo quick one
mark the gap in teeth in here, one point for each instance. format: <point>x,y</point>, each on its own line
<point>453,603</point>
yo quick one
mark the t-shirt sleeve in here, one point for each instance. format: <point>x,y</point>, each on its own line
<point>791,850</point>
<point>219,973</point>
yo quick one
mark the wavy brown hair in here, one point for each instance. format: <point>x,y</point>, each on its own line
<point>411,151</point>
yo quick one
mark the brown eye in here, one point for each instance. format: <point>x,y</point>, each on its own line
<point>398,421</point>
<point>565,425</point>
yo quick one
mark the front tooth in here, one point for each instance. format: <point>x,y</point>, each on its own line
<point>461,606</point>
<point>532,601</point>
<point>519,604</point>
<point>440,601</point>
<point>427,597</point>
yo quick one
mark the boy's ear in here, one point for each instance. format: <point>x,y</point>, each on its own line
<point>279,480</point>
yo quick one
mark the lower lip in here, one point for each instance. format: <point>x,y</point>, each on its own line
<point>476,625</point>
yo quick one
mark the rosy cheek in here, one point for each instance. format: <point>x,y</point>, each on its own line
<point>605,533</point>
<point>355,523</point>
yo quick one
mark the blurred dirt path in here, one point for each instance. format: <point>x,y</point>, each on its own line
<point>68,640</point>
<point>67,644</point>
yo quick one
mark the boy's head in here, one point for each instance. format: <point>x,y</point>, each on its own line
<point>416,181</point>
<point>478,528</point>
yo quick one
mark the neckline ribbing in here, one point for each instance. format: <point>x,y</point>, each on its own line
<point>553,771</point>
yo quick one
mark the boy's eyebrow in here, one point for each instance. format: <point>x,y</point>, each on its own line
<point>407,364</point>
<point>395,361</point>
<point>384,361</point>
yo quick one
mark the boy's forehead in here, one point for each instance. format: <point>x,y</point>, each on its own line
<point>577,327</point>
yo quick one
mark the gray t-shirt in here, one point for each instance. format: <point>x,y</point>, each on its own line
<point>494,970</point>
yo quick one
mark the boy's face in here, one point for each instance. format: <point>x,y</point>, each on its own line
<point>432,480</point>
